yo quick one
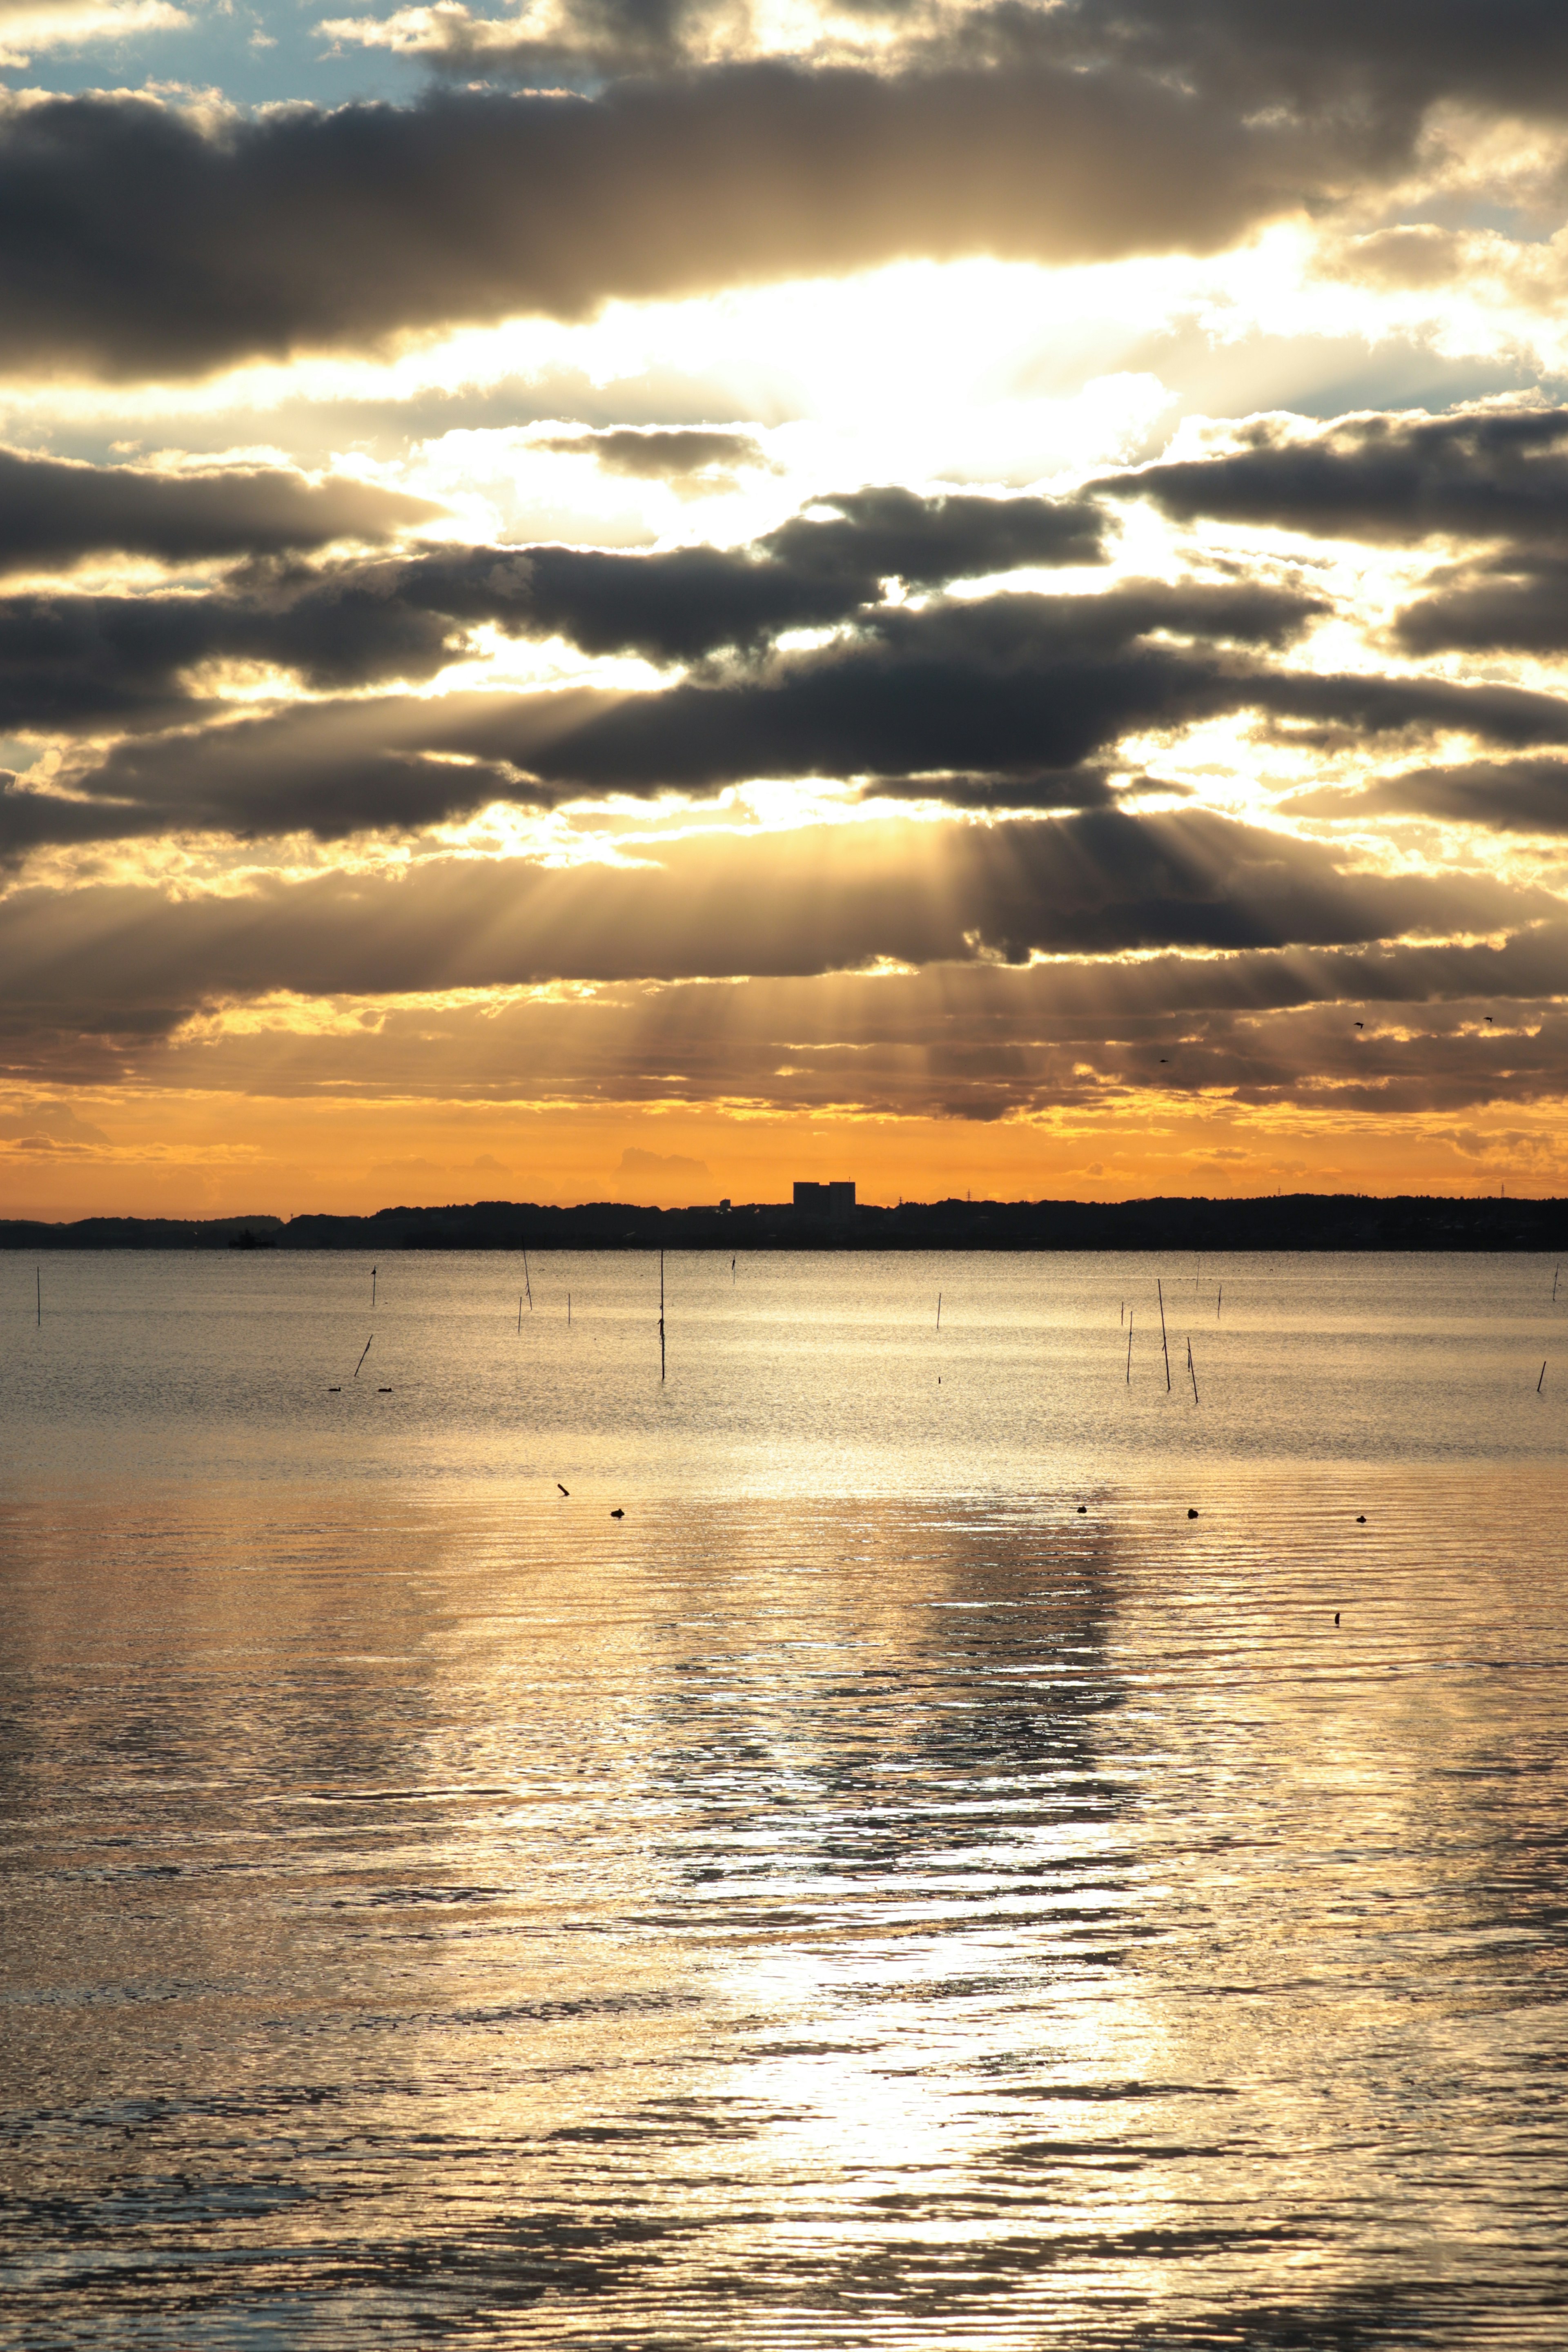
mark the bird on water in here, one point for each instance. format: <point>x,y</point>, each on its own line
<point>617,1514</point>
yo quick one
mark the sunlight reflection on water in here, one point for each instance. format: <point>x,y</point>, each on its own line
<point>857,1897</point>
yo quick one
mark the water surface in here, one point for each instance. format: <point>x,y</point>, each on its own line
<point>906,1881</point>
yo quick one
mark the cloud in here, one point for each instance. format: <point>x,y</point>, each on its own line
<point>1008,696</point>
<point>664,453</point>
<point>578,37</point>
<point>420,1182</point>
<point>78,662</point>
<point>1012,684</point>
<point>139,240</point>
<point>979,1039</point>
<point>1376,68</point>
<point>27,26</point>
<point>662,1179</point>
<point>51,1126</point>
<point>105,958</point>
<point>54,512</point>
<point>1515,604</point>
<point>1504,795</point>
<point>1383,66</point>
<point>1399,480</point>
<point>73,662</point>
<point>818,569</point>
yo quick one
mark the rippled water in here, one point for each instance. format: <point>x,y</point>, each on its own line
<point>859,1896</point>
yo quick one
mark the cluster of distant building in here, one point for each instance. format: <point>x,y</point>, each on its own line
<point>820,1199</point>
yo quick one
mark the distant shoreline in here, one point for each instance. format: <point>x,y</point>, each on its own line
<point>1272,1221</point>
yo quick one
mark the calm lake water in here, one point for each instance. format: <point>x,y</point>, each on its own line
<point>908,1881</point>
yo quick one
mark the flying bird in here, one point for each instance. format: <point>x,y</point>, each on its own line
<point>1360,1024</point>
<point>1487,1019</point>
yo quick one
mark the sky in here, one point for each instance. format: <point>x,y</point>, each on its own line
<point>635,599</point>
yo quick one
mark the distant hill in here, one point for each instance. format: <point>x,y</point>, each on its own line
<point>1298,1221</point>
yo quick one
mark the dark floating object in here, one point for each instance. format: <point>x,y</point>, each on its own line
<point>617,1514</point>
<point>383,1391</point>
<point>337,1391</point>
<point>1360,1518</point>
<point>1082,1508</point>
<point>565,1490</point>
<point>1191,1515</point>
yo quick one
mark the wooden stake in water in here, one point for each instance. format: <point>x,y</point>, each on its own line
<point>526,1283</point>
<point>1219,1302</point>
<point>364,1353</point>
<point>519,1313</point>
<point>39,1271</point>
<point>1164,1342</point>
<point>1191,1374</point>
<point>1554,1287</point>
<point>373,1290</point>
<point>939,1310</point>
<point>568,1310</point>
<point>661,1315</point>
<point>1130,1351</point>
<point>1542,1377</point>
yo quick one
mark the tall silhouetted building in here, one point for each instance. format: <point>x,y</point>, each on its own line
<point>825,1200</point>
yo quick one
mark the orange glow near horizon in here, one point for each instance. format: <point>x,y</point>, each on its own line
<point>162,1154</point>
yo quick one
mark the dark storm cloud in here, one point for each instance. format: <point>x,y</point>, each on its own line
<point>134,240</point>
<point>53,513</point>
<point>662,453</point>
<point>1497,475</point>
